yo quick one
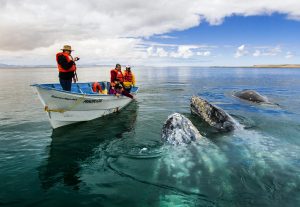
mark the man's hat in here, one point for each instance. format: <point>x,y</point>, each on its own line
<point>67,47</point>
<point>128,67</point>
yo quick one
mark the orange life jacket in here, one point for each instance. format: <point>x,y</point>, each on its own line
<point>96,87</point>
<point>68,58</point>
<point>128,76</point>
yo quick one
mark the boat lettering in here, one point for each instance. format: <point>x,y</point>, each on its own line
<point>93,101</point>
<point>68,99</point>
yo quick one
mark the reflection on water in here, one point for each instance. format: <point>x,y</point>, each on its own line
<point>72,145</point>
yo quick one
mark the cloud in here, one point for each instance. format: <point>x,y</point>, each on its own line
<point>267,51</point>
<point>30,24</point>
<point>157,52</point>
<point>165,37</point>
<point>241,51</point>
<point>289,55</point>
<point>183,51</point>
<point>205,53</point>
<point>257,53</point>
<point>116,28</point>
<point>177,51</point>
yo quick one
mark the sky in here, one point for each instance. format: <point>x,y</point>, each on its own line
<point>158,33</point>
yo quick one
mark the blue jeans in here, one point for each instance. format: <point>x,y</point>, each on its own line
<point>66,84</point>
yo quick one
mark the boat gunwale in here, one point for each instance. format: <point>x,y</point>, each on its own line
<point>43,86</point>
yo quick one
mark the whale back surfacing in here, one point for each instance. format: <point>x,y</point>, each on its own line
<point>251,95</point>
<point>213,115</point>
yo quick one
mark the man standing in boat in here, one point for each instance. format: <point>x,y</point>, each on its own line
<point>66,67</point>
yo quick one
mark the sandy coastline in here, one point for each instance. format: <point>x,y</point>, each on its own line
<point>278,66</point>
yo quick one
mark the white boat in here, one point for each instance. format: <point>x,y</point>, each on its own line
<point>79,104</point>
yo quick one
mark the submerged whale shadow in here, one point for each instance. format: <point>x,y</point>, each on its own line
<point>72,145</point>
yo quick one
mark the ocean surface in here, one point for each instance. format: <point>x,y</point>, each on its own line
<point>120,160</point>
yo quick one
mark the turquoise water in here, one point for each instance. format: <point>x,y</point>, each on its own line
<point>119,160</point>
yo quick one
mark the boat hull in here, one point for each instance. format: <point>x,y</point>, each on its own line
<point>64,108</point>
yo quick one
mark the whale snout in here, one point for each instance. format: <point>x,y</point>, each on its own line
<point>178,129</point>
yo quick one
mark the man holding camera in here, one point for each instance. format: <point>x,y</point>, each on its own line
<point>66,67</point>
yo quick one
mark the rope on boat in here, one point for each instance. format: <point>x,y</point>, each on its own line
<point>78,101</point>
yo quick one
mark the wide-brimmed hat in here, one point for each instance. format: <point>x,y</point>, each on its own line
<point>67,47</point>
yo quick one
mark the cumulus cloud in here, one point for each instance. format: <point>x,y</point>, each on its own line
<point>116,26</point>
<point>28,24</point>
<point>183,51</point>
<point>257,53</point>
<point>241,51</point>
<point>157,52</point>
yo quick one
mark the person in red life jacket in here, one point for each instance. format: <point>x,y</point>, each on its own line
<point>129,79</point>
<point>66,67</point>
<point>116,76</point>
<point>97,87</point>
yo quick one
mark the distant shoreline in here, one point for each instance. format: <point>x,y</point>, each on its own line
<point>278,66</point>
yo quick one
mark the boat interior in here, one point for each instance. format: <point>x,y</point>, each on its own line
<point>82,88</point>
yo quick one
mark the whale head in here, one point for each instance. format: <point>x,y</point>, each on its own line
<point>178,129</point>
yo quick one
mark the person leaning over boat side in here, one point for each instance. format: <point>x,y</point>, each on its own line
<point>66,67</point>
<point>129,79</point>
<point>119,90</point>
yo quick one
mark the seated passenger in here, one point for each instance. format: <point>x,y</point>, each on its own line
<point>116,75</point>
<point>129,79</point>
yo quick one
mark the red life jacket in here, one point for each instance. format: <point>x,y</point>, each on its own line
<point>128,76</point>
<point>116,76</point>
<point>68,58</point>
<point>96,87</point>
<point>120,76</point>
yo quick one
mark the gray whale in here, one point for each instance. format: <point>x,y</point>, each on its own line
<point>251,95</point>
<point>211,114</point>
<point>178,130</point>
